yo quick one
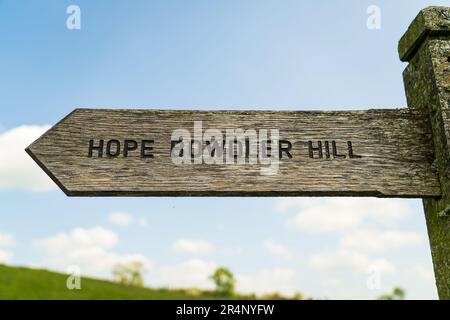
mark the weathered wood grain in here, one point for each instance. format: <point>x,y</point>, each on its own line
<point>395,146</point>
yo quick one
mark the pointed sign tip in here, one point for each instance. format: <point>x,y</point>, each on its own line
<point>46,170</point>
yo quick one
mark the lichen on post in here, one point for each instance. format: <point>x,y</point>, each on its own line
<point>426,46</point>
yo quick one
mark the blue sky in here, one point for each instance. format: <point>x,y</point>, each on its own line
<point>298,55</point>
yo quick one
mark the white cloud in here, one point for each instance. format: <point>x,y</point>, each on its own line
<point>360,230</point>
<point>342,214</point>
<point>89,249</point>
<point>268,280</point>
<point>6,240</point>
<point>120,218</point>
<point>343,260</point>
<point>423,273</point>
<point>193,273</point>
<point>77,239</point>
<point>367,240</point>
<point>196,247</point>
<point>277,249</point>
<point>5,256</point>
<point>17,169</point>
<point>419,282</point>
<point>126,219</point>
<point>331,282</point>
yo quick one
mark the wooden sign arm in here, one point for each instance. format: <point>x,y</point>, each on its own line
<point>426,46</point>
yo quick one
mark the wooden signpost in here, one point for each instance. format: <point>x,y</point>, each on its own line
<point>129,152</point>
<point>382,153</point>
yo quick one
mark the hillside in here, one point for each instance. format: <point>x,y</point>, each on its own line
<point>26,283</point>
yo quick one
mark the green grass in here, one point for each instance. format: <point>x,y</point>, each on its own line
<point>30,284</point>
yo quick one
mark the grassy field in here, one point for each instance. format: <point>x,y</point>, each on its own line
<point>26,283</point>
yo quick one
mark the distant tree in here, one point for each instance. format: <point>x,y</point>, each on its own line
<point>274,296</point>
<point>129,274</point>
<point>224,281</point>
<point>278,296</point>
<point>298,296</point>
<point>397,294</point>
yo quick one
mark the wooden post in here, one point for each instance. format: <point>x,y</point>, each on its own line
<point>426,46</point>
